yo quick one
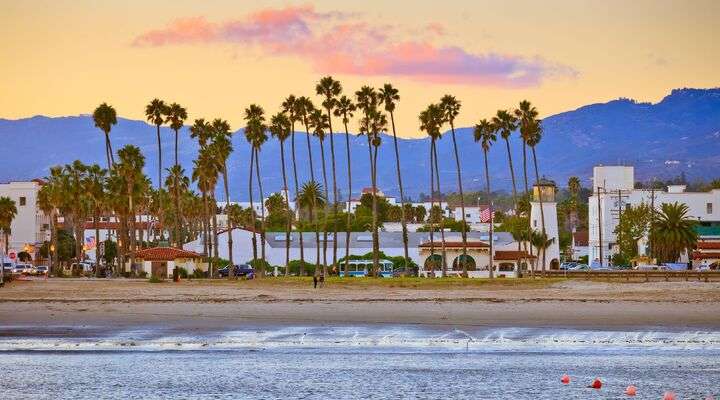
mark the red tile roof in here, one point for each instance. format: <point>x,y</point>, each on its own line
<point>165,254</point>
<point>456,245</point>
<point>512,255</point>
<point>701,255</point>
<point>581,238</point>
<point>116,225</point>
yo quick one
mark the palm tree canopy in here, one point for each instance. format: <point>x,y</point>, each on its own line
<point>312,195</point>
<point>318,122</point>
<point>673,231</point>
<point>574,185</point>
<point>8,211</point>
<point>105,117</point>
<point>505,122</point>
<point>389,96</point>
<point>430,121</point>
<point>330,89</point>
<point>280,126</point>
<point>484,132</point>
<point>156,111</point>
<point>366,98</point>
<point>303,107</point>
<point>202,131</point>
<point>176,116</point>
<point>450,107</point>
<point>344,108</point>
<point>288,107</point>
<point>255,128</point>
<point>533,132</point>
<point>176,176</point>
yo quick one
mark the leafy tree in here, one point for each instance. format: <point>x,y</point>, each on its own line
<point>633,225</point>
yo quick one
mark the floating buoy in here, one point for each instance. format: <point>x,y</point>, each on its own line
<point>710,398</point>
<point>669,396</point>
<point>597,384</point>
<point>631,390</point>
<point>565,379</point>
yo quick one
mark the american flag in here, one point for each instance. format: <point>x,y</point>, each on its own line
<point>485,214</point>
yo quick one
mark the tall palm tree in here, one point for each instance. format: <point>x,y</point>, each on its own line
<point>312,197</point>
<point>345,109</point>
<point>205,173</point>
<point>176,116</point>
<point>130,168</point>
<point>673,232</point>
<point>431,120</point>
<point>506,123</point>
<point>574,187</point>
<point>8,212</point>
<point>46,204</point>
<point>450,107</point>
<point>94,185</point>
<point>289,107</point>
<point>280,128</point>
<point>254,130</point>
<point>177,182</point>
<point>259,140</point>
<point>155,113</point>
<point>534,133</point>
<point>484,133</point>
<point>525,114</point>
<point>319,122</point>
<point>330,89</point>
<point>541,242</point>
<point>222,142</point>
<point>389,96</point>
<point>105,117</point>
<point>303,108</point>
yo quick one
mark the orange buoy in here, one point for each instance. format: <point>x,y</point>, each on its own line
<point>669,396</point>
<point>631,390</point>
<point>565,379</point>
<point>597,384</point>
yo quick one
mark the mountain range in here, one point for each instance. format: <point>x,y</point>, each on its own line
<point>679,134</point>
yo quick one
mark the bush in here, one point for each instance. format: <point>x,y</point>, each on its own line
<point>155,279</point>
<point>198,273</point>
<point>183,273</point>
<point>296,266</point>
<point>142,274</point>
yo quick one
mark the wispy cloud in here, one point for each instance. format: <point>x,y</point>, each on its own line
<point>345,44</point>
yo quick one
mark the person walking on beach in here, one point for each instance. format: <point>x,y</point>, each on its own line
<point>315,281</point>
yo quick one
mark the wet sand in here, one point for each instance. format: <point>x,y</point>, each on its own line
<point>68,305</point>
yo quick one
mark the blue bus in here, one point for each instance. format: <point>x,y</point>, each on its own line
<point>363,268</point>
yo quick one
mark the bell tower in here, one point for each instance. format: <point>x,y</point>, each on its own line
<point>545,190</point>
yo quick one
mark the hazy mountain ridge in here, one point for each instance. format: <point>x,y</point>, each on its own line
<point>680,133</point>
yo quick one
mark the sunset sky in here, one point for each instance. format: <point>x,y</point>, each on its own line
<point>217,57</point>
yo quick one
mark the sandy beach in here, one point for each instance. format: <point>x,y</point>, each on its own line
<point>210,305</point>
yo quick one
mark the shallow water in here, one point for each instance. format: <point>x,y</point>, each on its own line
<point>377,362</point>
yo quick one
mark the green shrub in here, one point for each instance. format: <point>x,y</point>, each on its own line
<point>142,274</point>
<point>183,273</point>
<point>198,274</point>
<point>155,279</point>
<point>296,266</point>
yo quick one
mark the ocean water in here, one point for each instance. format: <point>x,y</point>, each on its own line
<point>365,362</point>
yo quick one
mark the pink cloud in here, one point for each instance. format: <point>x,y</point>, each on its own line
<point>338,43</point>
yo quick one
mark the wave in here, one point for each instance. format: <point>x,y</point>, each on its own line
<point>399,338</point>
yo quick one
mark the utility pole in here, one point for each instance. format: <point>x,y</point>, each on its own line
<point>652,218</point>
<point>599,221</point>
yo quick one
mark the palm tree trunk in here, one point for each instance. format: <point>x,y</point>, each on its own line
<point>216,247</point>
<point>160,205</point>
<point>288,226</point>
<point>463,230</point>
<point>53,242</point>
<point>262,213</point>
<point>252,208</point>
<point>176,147</point>
<point>376,234</point>
<point>231,270</point>
<point>527,196</point>
<point>325,219</point>
<point>349,216</point>
<point>403,219</point>
<point>512,177</point>
<point>432,195</point>
<point>96,220</point>
<point>307,136</point>
<point>335,191</point>
<point>204,227</point>
<point>108,150</point>
<point>208,243</point>
<point>374,221</point>
<point>131,211</point>
<point>540,200</point>
<point>301,272</point>
<point>442,216</point>
<point>490,240</point>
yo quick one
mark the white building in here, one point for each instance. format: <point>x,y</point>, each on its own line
<point>614,190</point>
<point>31,227</point>
<point>579,245</point>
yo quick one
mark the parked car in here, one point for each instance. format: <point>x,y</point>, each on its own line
<point>621,267</point>
<point>568,265</point>
<point>8,268</point>
<point>580,267</point>
<point>41,270</point>
<point>20,269</point>
<point>650,267</point>
<point>83,266</point>
<point>404,272</point>
<point>240,270</point>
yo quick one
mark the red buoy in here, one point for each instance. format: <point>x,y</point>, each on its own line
<point>565,379</point>
<point>631,390</point>
<point>597,384</point>
<point>669,396</point>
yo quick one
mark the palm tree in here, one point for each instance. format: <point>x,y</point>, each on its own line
<point>506,123</point>
<point>430,121</point>
<point>176,116</point>
<point>280,128</point>
<point>389,96</point>
<point>485,134</point>
<point>155,113</point>
<point>259,140</point>
<point>541,242</point>
<point>178,183</point>
<point>8,212</point>
<point>312,197</point>
<point>205,174</point>
<point>331,89</point>
<point>574,186</point>
<point>319,122</point>
<point>46,204</point>
<point>534,134</point>
<point>105,117</point>
<point>303,108</point>
<point>525,114</point>
<point>254,131</point>
<point>130,168</point>
<point>94,186</point>
<point>289,107</point>
<point>673,232</point>
<point>345,108</point>
<point>222,142</point>
<point>450,108</point>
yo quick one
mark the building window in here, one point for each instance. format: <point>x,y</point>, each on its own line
<point>468,215</point>
<point>709,208</point>
<point>534,223</point>
<point>23,200</point>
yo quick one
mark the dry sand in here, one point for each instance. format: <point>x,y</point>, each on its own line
<point>198,305</point>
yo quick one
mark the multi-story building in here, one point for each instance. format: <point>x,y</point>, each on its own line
<point>31,227</point>
<point>613,190</point>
